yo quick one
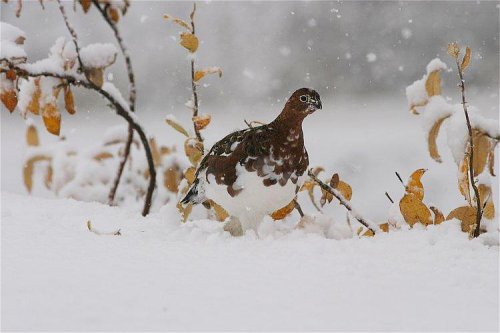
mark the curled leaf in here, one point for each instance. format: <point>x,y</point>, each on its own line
<point>432,137</point>
<point>194,150</point>
<point>463,179</point>
<point>433,84</point>
<point>189,41</point>
<point>199,74</point>
<point>438,215</point>
<point>202,121</point>
<point>178,21</point>
<point>453,50</point>
<point>283,212</point>
<point>466,59</point>
<point>481,151</point>
<point>28,170</point>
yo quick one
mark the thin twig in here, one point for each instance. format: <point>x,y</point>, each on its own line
<point>470,152</point>
<point>400,179</point>
<point>343,201</point>
<point>193,83</point>
<point>389,197</point>
<point>131,96</point>
<point>298,208</point>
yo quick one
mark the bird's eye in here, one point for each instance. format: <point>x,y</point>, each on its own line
<point>303,98</point>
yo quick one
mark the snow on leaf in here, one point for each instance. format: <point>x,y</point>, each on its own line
<point>51,118</point>
<point>453,50</point>
<point>433,84</point>
<point>438,215</point>
<point>98,55</point>
<point>465,60</point>
<point>283,212</point>
<point>201,121</point>
<point>414,185</point>
<point>199,74</point>
<point>194,150</point>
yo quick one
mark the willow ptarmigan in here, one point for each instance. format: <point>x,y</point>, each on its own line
<point>253,172</point>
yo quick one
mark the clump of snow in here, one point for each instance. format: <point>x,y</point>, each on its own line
<point>12,39</point>
<point>435,65</point>
<point>416,93</point>
<point>98,55</point>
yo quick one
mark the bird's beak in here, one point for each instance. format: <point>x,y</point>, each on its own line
<point>316,103</point>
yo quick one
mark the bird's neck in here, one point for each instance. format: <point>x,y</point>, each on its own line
<point>288,120</point>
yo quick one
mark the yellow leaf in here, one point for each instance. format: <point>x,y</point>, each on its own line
<point>189,41</point>
<point>466,59</point>
<point>199,74</point>
<point>438,216</point>
<point>433,84</point>
<point>190,174</point>
<point>485,195</point>
<point>176,126</point>
<point>51,118</point>
<point>220,213</point>
<point>28,170</point>
<point>34,105</point>
<point>102,156</point>
<point>96,76</point>
<point>9,99</point>
<point>155,152</point>
<point>194,150</point>
<point>384,227</point>
<point>415,185</point>
<point>414,210</point>
<point>69,101</point>
<point>32,136</point>
<point>172,178</point>
<point>463,179</point>
<point>185,211</point>
<point>432,137</point>
<point>491,159</point>
<point>453,50</point>
<point>178,21</point>
<point>283,212</point>
<point>345,189</point>
<point>200,122</point>
<point>466,215</point>
<point>368,233</point>
<point>481,151</point>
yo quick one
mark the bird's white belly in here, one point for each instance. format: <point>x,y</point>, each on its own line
<point>255,200</point>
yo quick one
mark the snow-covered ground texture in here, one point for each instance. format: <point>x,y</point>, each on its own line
<point>160,275</point>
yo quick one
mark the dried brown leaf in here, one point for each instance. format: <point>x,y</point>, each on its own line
<point>172,178</point>
<point>96,76</point>
<point>47,180</point>
<point>466,215</point>
<point>433,84</point>
<point>9,99</point>
<point>453,50</point>
<point>178,127</point>
<point>414,210</point>
<point>190,174</point>
<point>113,14</point>
<point>104,155</point>
<point>28,170</point>
<point>466,59</point>
<point>438,215</point>
<point>194,150</point>
<point>189,41</point>
<point>202,121</point>
<point>178,21</point>
<point>85,5</point>
<point>415,185</point>
<point>481,151</point>
<point>485,196</point>
<point>51,118</point>
<point>32,136</point>
<point>283,212</point>
<point>34,104</point>
<point>463,179</point>
<point>432,137</point>
<point>154,151</point>
<point>199,74</point>
<point>491,158</point>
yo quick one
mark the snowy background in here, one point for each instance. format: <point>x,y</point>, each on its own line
<point>160,275</point>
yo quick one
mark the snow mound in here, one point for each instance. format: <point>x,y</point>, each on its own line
<point>160,274</point>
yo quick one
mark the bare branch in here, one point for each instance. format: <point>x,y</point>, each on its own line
<point>132,97</point>
<point>470,152</point>
<point>343,201</point>
<point>389,197</point>
<point>298,208</point>
<point>193,82</point>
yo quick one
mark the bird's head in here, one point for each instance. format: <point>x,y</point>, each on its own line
<point>304,101</point>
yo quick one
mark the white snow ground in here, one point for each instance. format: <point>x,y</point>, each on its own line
<point>159,275</point>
